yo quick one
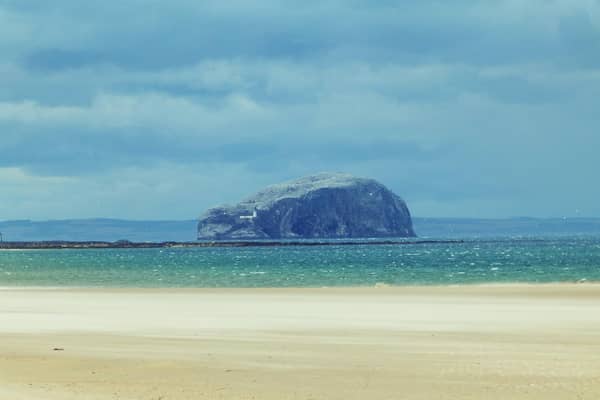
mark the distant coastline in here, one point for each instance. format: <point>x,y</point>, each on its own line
<point>111,230</point>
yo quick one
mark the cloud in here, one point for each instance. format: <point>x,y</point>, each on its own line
<point>469,107</point>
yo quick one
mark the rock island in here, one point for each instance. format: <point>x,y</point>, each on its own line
<point>327,205</point>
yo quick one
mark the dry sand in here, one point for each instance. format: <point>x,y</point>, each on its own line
<point>469,342</point>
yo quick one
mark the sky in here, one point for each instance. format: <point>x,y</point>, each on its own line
<point>147,109</point>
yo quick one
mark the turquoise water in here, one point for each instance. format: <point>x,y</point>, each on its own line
<point>506,260</point>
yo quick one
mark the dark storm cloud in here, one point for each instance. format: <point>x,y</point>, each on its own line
<point>54,60</point>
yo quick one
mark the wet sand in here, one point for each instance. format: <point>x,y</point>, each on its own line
<point>462,342</point>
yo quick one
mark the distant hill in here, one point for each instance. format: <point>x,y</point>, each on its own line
<point>99,229</point>
<point>523,226</point>
<point>152,231</point>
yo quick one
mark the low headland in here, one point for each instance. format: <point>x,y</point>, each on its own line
<point>124,244</point>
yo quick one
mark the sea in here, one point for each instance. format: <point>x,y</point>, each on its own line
<point>469,261</point>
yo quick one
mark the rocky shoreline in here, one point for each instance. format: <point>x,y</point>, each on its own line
<point>41,245</point>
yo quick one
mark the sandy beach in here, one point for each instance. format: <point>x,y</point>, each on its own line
<point>463,342</point>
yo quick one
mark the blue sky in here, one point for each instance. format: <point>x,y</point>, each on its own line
<point>152,109</point>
